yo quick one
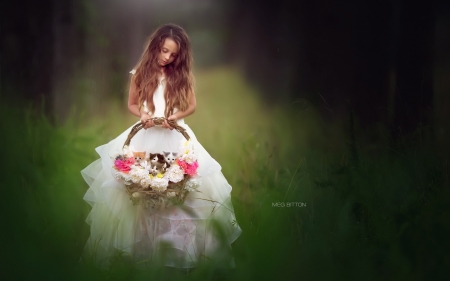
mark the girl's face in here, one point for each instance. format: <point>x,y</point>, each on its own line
<point>168,52</point>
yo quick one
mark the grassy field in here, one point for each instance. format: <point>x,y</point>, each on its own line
<point>314,199</point>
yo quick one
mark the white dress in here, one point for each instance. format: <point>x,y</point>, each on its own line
<point>176,236</point>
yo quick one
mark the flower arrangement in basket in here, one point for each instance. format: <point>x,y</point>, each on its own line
<point>162,179</point>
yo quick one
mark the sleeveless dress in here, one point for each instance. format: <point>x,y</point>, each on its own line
<point>202,229</point>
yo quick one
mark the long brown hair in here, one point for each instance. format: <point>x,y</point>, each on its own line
<point>179,78</point>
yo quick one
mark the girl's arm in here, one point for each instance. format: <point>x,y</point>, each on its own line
<point>190,110</point>
<point>133,105</point>
<point>181,114</point>
<point>133,98</point>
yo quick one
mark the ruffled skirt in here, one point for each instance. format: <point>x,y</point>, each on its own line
<point>202,229</point>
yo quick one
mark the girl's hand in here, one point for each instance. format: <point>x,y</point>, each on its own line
<point>145,119</point>
<point>166,124</point>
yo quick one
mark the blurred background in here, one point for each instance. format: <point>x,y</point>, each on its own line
<point>341,105</point>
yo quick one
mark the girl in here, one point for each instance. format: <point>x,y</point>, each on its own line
<point>203,228</point>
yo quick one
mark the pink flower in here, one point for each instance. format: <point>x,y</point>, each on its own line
<point>182,164</point>
<point>189,169</point>
<point>129,161</point>
<point>122,165</point>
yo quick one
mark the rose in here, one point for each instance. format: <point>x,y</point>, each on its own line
<point>190,169</point>
<point>182,164</point>
<point>122,166</point>
<point>130,161</point>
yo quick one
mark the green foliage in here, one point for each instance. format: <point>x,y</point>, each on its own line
<point>315,200</point>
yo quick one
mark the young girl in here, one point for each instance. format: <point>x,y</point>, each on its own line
<point>204,226</point>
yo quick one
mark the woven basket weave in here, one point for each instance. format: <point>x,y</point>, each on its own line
<point>147,196</point>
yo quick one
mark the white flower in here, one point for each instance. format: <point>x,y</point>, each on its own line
<point>137,174</point>
<point>189,158</point>
<point>135,179</point>
<point>117,175</point>
<point>186,147</point>
<point>187,152</point>
<point>193,183</point>
<point>143,173</point>
<point>127,179</point>
<point>159,184</point>
<point>145,182</point>
<point>174,173</point>
<point>128,151</point>
<point>122,177</point>
<point>134,175</point>
<point>171,194</point>
<point>145,165</point>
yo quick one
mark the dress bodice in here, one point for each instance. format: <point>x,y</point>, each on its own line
<point>159,100</point>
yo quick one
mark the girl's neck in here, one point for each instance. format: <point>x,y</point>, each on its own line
<point>163,72</point>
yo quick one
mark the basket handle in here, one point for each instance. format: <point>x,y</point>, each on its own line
<point>158,121</point>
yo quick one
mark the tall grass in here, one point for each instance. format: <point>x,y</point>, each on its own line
<point>314,199</point>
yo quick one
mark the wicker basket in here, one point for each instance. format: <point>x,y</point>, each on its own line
<point>175,192</point>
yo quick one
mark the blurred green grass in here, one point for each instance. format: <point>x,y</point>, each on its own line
<point>370,211</point>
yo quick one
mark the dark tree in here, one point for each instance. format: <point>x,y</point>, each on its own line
<point>414,66</point>
<point>26,53</point>
<point>335,52</point>
<point>39,41</point>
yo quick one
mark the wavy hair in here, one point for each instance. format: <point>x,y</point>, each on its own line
<point>179,78</point>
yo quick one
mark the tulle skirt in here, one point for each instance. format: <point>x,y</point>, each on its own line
<point>202,229</point>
